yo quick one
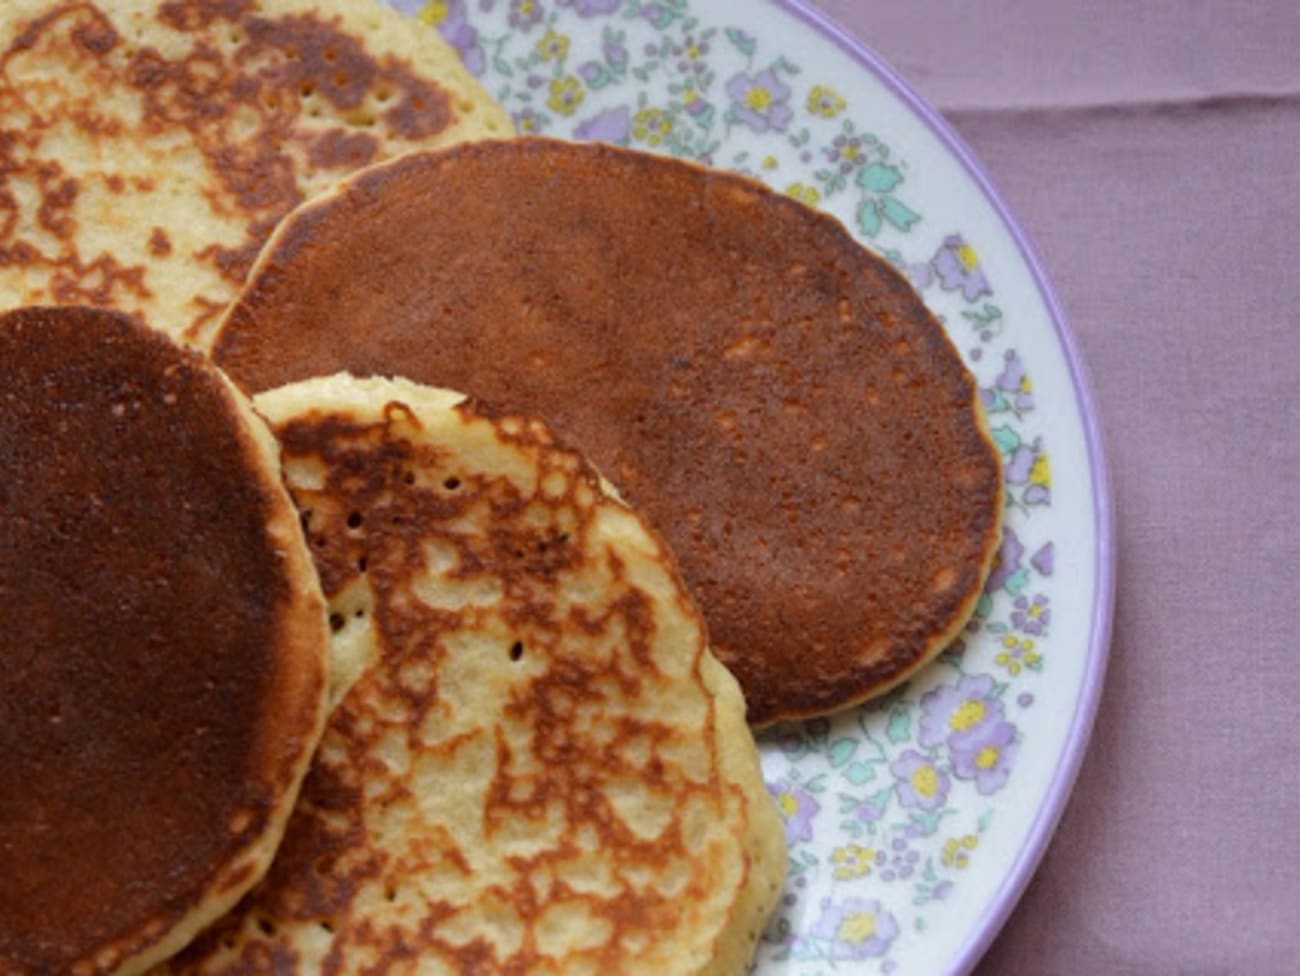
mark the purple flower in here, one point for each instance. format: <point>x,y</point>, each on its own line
<point>592,8</point>
<point>1028,465</point>
<point>987,757</point>
<point>869,812</point>
<point>920,274</point>
<point>456,31</point>
<point>611,125</point>
<point>657,14</point>
<point>1032,616</point>
<point>941,891</point>
<point>848,152</point>
<point>760,101</point>
<point>1043,559</point>
<point>1007,561</point>
<point>958,266</point>
<point>920,783</point>
<point>856,928</point>
<point>615,54</point>
<point>589,71</point>
<point>958,714</point>
<point>525,13</point>
<point>527,121</point>
<point>798,807</point>
<point>1014,380</point>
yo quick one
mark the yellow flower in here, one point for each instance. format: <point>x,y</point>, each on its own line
<point>1041,474</point>
<point>825,101</point>
<point>852,861</point>
<point>769,162</point>
<point>651,125</point>
<point>954,851</point>
<point>953,855</point>
<point>804,193</point>
<point>553,46</point>
<point>435,12</point>
<point>566,95</point>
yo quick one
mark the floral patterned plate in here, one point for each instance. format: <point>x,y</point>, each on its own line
<point>914,822</point>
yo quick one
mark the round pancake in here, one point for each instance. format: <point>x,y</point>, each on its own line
<point>147,147</point>
<point>163,645</point>
<point>537,766</point>
<point>773,397</point>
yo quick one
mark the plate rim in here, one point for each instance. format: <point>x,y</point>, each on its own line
<point>1101,620</point>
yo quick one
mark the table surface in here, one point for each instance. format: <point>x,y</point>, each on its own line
<point>1150,152</point>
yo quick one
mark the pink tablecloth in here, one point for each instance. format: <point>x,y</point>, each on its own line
<point>1152,153</point>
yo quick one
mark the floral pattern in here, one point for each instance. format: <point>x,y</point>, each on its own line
<point>886,807</point>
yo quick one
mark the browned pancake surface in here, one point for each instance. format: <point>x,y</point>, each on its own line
<point>159,683</point>
<point>148,147</point>
<point>775,398</point>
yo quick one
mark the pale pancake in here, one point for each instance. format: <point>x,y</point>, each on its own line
<point>538,766</point>
<point>775,398</point>
<point>163,645</point>
<point>147,147</point>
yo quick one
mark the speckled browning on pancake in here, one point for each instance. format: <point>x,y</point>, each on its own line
<point>162,645</point>
<point>540,768</point>
<point>147,147</point>
<point>776,399</point>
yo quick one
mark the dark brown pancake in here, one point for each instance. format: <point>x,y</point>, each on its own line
<point>774,397</point>
<point>162,644</point>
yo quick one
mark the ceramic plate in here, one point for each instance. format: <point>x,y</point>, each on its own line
<point>913,822</point>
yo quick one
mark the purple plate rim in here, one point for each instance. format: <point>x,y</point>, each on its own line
<point>1049,813</point>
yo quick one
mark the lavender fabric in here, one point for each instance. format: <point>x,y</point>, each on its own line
<point>1152,153</point>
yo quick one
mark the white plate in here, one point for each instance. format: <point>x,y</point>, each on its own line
<point>914,822</point>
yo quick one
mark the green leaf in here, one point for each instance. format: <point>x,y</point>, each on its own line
<point>859,773</point>
<point>999,689</point>
<point>869,218</point>
<point>984,605</point>
<point>998,404</point>
<point>1006,439</point>
<point>879,177</point>
<point>985,819</point>
<point>898,213</point>
<point>742,41</point>
<point>1016,581</point>
<point>900,725</point>
<point>841,751</point>
<point>928,822</point>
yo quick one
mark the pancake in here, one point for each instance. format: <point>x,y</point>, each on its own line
<point>773,397</point>
<point>163,645</point>
<point>538,766</point>
<point>147,147</point>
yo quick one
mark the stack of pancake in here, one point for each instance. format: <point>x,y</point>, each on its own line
<point>367,675</point>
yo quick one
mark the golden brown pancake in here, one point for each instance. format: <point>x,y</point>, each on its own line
<point>537,766</point>
<point>775,398</point>
<point>147,147</point>
<point>163,645</point>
